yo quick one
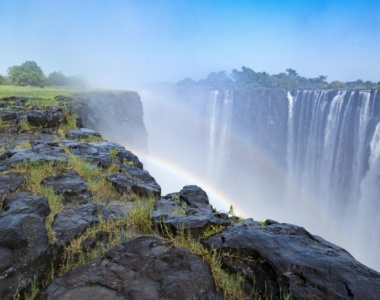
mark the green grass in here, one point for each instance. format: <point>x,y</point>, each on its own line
<point>48,92</point>
<point>36,92</point>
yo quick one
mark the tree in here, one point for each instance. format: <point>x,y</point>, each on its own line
<point>292,73</point>
<point>2,80</point>
<point>57,78</point>
<point>29,73</point>
<point>336,85</point>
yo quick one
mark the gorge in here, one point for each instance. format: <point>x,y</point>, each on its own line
<point>309,157</point>
<point>81,216</point>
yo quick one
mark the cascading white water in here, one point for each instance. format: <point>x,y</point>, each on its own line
<point>220,113</point>
<point>328,158</point>
<point>305,157</point>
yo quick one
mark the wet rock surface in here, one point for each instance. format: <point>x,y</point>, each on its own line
<point>141,268</point>
<point>284,258</point>
<point>102,154</point>
<point>24,250</point>
<point>24,202</point>
<point>138,182</point>
<point>71,186</point>
<point>188,209</point>
<point>53,117</point>
<point>10,182</point>
<point>81,133</point>
<point>73,221</point>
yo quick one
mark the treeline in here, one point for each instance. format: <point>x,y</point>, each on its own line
<point>30,74</point>
<point>289,80</point>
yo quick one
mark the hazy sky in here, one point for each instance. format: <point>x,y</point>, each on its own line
<point>121,43</point>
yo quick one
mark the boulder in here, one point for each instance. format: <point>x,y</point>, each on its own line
<point>74,221</point>
<point>284,258</point>
<point>55,117</point>
<point>7,114</point>
<point>188,209</point>
<point>10,182</point>
<point>125,185</point>
<point>142,268</point>
<point>47,118</point>
<point>37,118</point>
<point>24,251</point>
<point>71,186</point>
<point>24,202</point>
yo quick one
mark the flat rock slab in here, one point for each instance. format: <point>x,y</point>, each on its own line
<point>141,268</point>
<point>188,209</point>
<point>102,154</point>
<point>74,221</point>
<point>81,133</point>
<point>12,158</point>
<point>284,258</point>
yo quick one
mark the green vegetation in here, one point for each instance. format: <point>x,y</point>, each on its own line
<point>37,92</point>
<point>231,285</point>
<point>29,73</point>
<point>247,78</point>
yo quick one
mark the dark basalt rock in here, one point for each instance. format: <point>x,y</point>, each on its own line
<point>7,114</point>
<point>37,118</point>
<point>24,202</point>
<point>125,185</point>
<point>12,158</point>
<point>283,258</point>
<point>188,209</point>
<point>99,153</point>
<point>24,251</point>
<point>10,182</point>
<point>47,118</point>
<point>80,133</point>
<point>71,186</point>
<point>142,268</point>
<point>73,221</point>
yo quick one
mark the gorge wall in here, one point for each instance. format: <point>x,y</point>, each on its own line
<point>308,157</point>
<point>120,116</point>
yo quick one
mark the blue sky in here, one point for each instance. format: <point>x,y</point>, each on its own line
<point>124,43</point>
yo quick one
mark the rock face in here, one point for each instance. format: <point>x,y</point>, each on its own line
<point>189,209</point>
<point>283,258</point>
<point>119,117</point>
<point>141,268</point>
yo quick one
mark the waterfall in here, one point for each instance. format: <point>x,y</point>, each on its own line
<point>331,151</point>
<point>307,157</point>
<point>334,155</point>
<point>220,113</point>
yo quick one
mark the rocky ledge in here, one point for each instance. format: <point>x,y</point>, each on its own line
<point>81,219</point>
